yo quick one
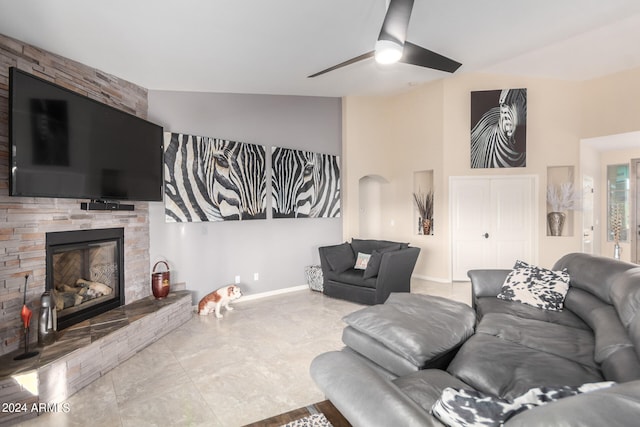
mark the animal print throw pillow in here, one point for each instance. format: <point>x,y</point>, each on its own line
<point>536,286</point>
<point>466,408</point>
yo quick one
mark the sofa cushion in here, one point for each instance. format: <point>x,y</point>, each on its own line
<point>536,286</point>
<point>425,387</point>
<point>611,336</point>
<point>367,246</point>
<point>416,327</point>
<point>560,340</point>
<point>594,274</point>
<point>373,266</point>
<point>352,277</point>
<point>507,369</point>
<point>566,317</point>
<point>340,257</point>
<point>376,352</point>
<point>625,294</point>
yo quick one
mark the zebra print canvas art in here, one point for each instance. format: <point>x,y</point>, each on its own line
<point>210,179</point>
<point>304,184</point>
<point>498,128</point>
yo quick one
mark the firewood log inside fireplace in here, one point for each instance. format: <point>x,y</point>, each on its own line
<point>66,296</point>
<point>99,288</point>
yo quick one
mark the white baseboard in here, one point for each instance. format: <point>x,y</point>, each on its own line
<point>265,294</point>
<point>272,293</point>
<point>431,279</point>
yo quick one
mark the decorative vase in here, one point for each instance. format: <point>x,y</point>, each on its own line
<point>426,226</point>
<point>160,281</point>
<point>556,222</point>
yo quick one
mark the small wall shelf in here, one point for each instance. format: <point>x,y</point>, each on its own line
<point>422,186</point>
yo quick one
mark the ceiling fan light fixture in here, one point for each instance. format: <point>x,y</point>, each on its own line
<point>388,52</point>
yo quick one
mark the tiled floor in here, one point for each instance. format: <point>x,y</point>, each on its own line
<point>248,366</point>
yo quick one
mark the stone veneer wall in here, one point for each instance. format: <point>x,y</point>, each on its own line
<point>25,220</point>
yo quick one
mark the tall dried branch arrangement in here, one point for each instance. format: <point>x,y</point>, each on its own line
<point>424,203</point>
<point>616,222</point>
<point>562,197</point>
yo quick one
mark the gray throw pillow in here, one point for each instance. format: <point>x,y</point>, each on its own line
<point>373,267</point>
<point>340,257</point>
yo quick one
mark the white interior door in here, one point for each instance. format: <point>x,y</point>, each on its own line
<point>493,222</point>
<point>471,225</point>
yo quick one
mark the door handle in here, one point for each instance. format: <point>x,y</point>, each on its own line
<point>485,235</point>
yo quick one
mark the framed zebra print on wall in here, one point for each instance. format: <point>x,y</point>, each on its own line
<point>210,179</point>
<point>499,128</point>
<point>304,184</point>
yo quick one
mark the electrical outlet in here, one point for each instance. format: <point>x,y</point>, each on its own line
<point>256,276</point>
<point>237,279</point>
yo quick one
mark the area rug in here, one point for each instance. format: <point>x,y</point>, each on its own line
<point>315,420</point>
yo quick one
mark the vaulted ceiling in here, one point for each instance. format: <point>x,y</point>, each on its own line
<point>259,46</point>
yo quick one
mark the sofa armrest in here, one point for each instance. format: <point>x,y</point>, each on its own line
<point>395,272</point>
<point>324,264</point>
<point>487,283</point>
<point>364,397</point>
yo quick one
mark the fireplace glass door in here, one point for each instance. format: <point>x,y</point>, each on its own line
<point>84,274</point>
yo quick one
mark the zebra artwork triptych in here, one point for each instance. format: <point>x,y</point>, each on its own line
<point>304,184</point>
<point>209,179</point>
<point>498,128</point>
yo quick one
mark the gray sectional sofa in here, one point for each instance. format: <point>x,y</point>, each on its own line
<point>389,270</point>
<point>514,347</point>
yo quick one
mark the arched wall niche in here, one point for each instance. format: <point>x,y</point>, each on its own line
<point>370,188</point>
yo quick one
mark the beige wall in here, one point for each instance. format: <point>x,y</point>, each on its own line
<point>428,128</point>
<point>611,105</point>
<point>392,137</point>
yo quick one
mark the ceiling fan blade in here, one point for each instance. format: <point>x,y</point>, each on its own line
<point>343,64</point>
<point>396,21</point>
<point>417,55</point>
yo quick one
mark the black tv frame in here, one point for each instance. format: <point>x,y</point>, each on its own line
<point>97,201</point>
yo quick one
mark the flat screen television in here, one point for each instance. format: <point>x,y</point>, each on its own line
<point>66,145</point>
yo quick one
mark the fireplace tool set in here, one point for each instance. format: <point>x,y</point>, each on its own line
<point>25,314</point>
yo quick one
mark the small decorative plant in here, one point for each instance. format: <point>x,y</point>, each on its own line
<point>562,197</point>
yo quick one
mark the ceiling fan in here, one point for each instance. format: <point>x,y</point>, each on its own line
<point>393,46</point>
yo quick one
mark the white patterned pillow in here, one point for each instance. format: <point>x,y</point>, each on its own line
<point>536,286</point>
<point>470,408</point>
<point>362,261</point>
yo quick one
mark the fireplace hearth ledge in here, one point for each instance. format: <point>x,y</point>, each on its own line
<point>86,351</point>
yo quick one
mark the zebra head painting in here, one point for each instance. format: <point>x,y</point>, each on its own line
<point>209,179</point>
<point>304,184</point>
<point>498,128</point>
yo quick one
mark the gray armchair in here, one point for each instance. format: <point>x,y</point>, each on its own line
<point>389,270</point>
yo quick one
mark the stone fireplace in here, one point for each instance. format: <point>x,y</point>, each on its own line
<point>85,272</point>
<point>27,220</point>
